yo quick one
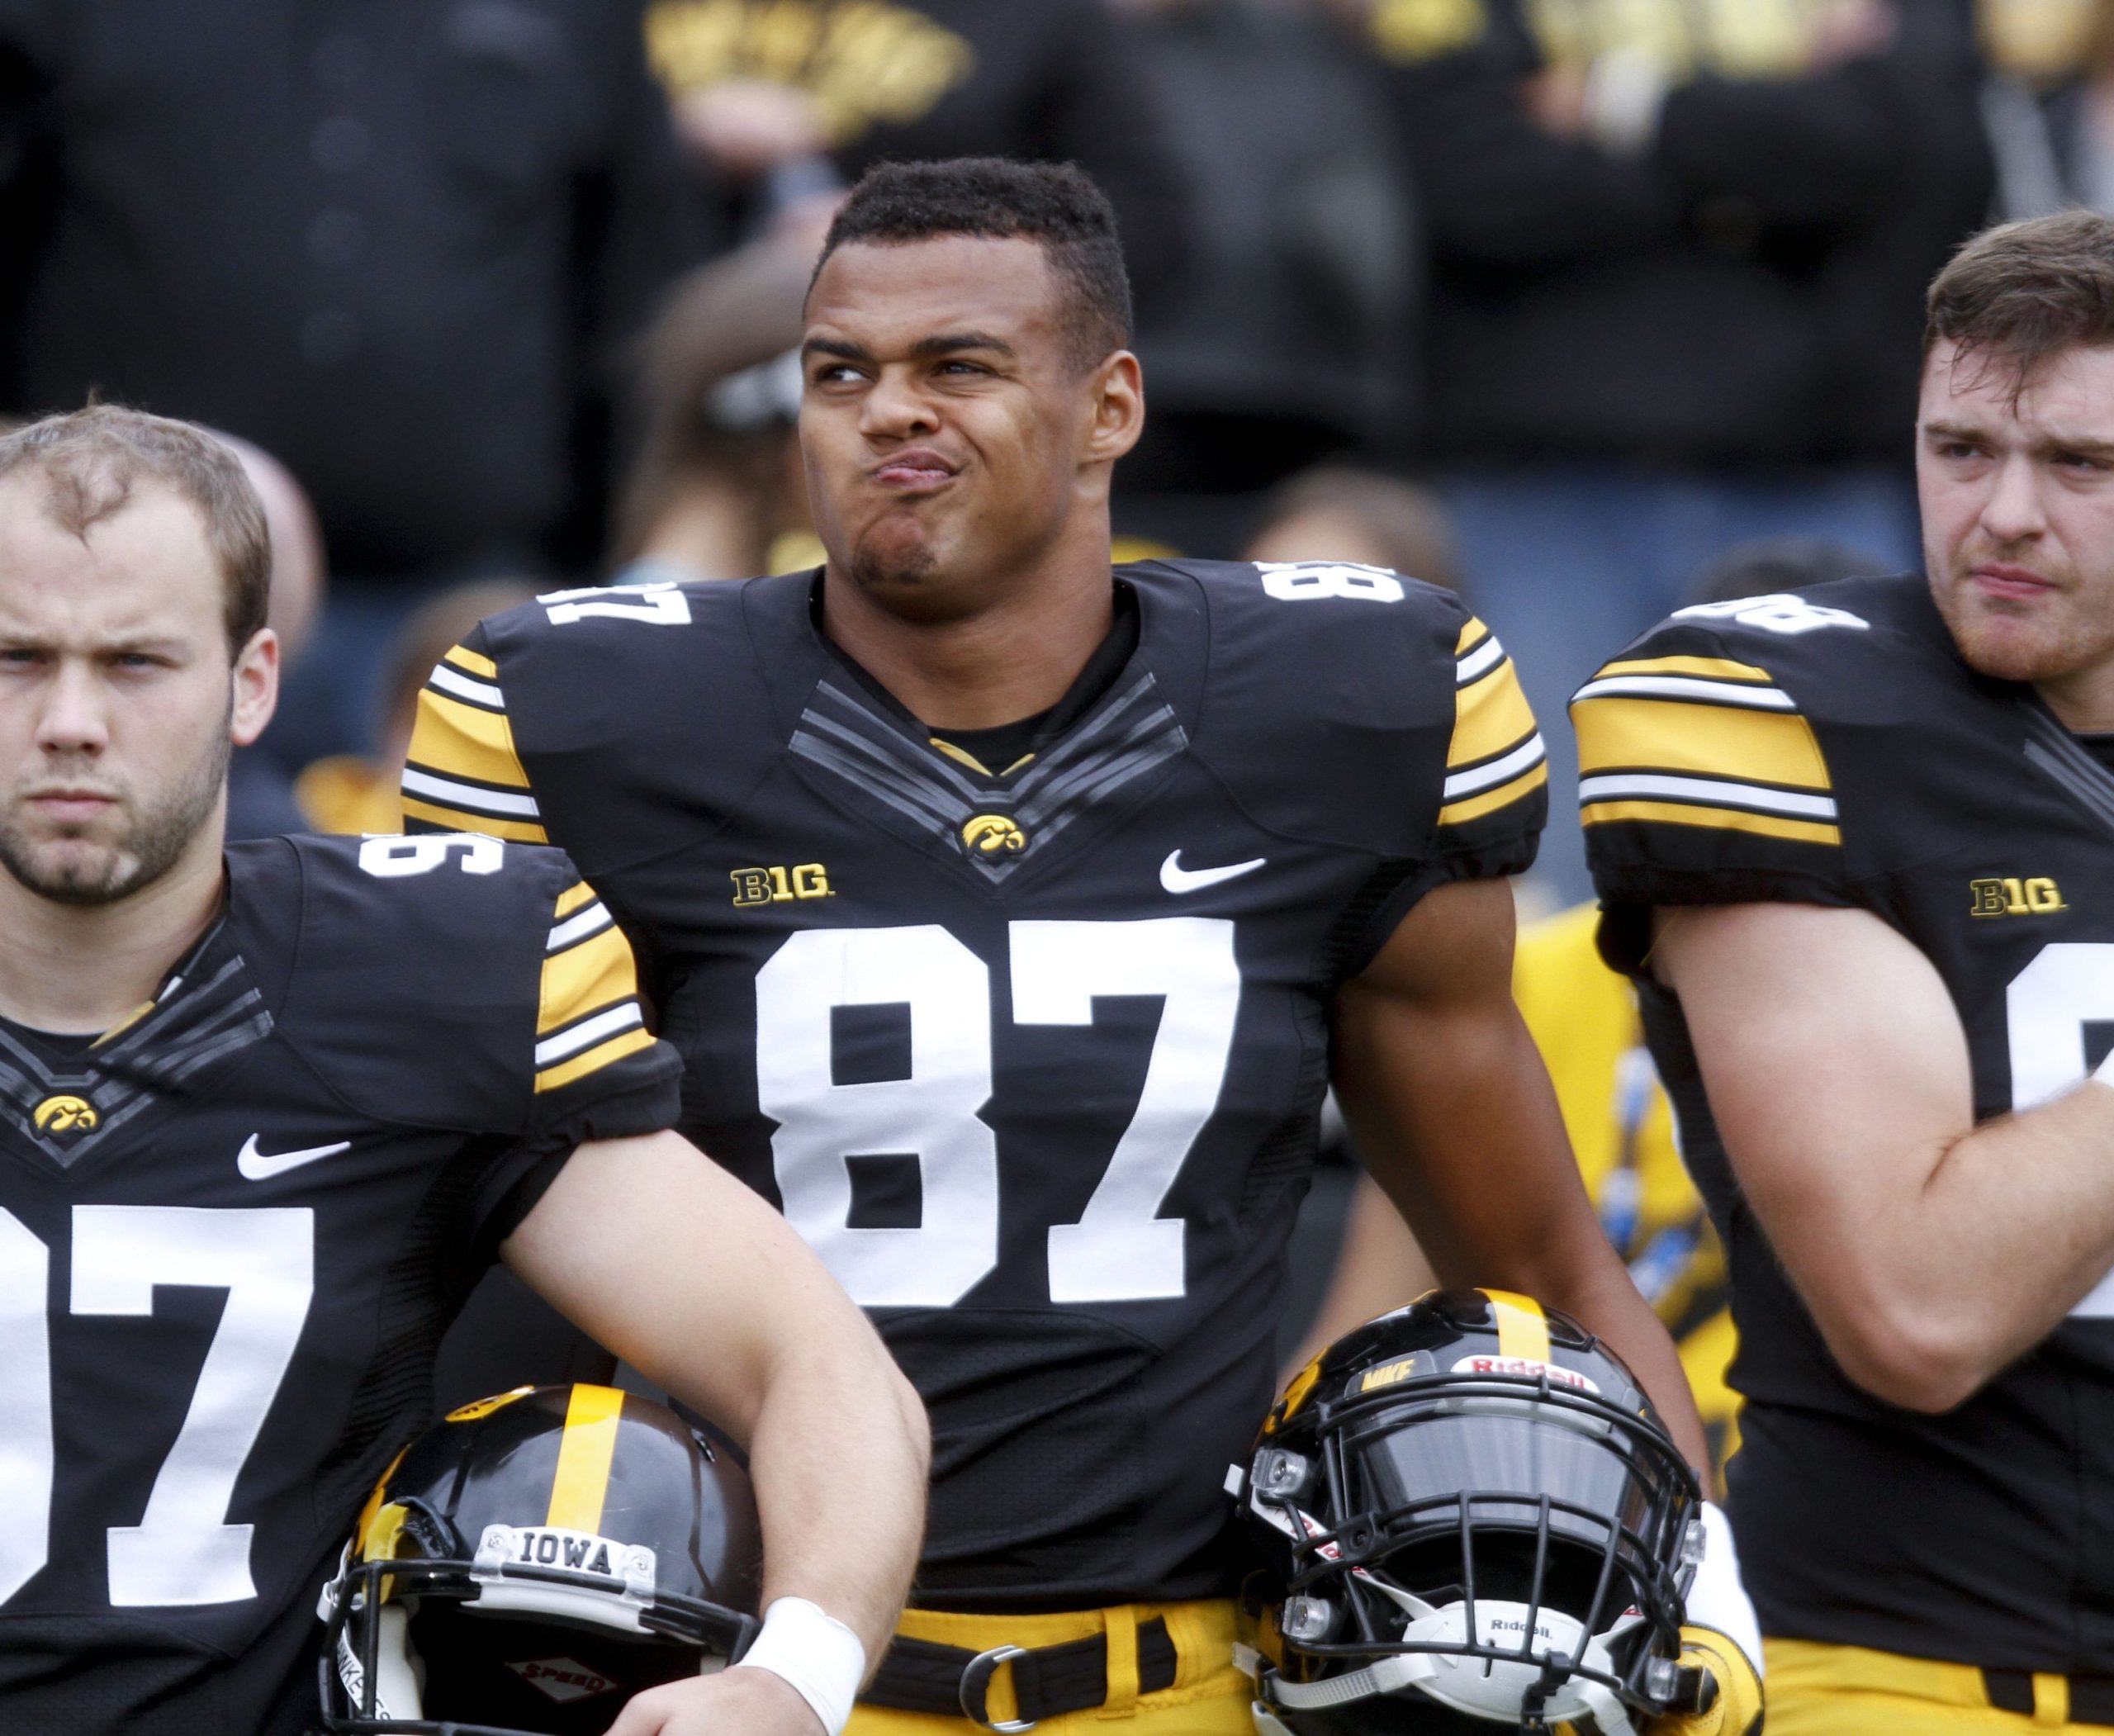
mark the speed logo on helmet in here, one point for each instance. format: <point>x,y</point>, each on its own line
<point>1473,1515</point>
<point>531,1554</point>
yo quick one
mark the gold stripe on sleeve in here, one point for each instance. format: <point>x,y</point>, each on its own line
<point>591,1060</point>
<point>1724,819</point>
<point>455,740</point>
<point>572,899</point>
<point>472,662</point>
<point>1489,801</point>
<point>1472,635</point>
<point>586,1451</point>
<point>1717,741</point>
<point>518,832</point>
<point>596,973</point>
<point>1721,668</point>
<point>1491,714</point>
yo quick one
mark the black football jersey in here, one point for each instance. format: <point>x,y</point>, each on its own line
<point>1832,748</point>
<point>1031,1055</point>
<point>231,1232</point>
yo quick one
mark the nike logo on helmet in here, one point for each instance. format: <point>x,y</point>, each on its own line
<point>259,1166</point>
<point>1178,880</point>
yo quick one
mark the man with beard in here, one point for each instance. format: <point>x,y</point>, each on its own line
<point>267,1111</point>
<point>1012,914</point>
<point>1857,846</point>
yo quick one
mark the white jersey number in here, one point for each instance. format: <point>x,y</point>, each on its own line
<point>2068,985</point>
<point>1120,1249</point>
<point>1295,581</point>
<point>183,1550</point>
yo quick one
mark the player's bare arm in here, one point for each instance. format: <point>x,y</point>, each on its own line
<point>1456,1118</point>
<point>740,1320</point>
<point>1932,1252</point>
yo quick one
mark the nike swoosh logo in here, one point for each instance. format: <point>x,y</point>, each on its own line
<point>1178,880</point>
<point>260,1166</point>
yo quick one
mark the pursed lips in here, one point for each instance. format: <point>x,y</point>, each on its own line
<point>2015,584</point>
<point>916,470</point>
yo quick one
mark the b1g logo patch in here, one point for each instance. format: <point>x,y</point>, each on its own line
<point>2012,896</point>
<point>1527,1368</point>
<point>754,886</point>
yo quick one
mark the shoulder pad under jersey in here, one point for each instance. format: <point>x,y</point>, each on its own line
<point>1353,705</point>
<point>1790,747</point>
<point>448,980</point>
<point>591,705</point>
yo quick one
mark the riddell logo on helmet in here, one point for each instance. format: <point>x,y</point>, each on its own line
<point>1527,1366</point>
<point>564,1679</point>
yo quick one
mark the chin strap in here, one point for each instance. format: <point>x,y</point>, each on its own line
<point>1383,1676</point>
<point>1726,1700</point>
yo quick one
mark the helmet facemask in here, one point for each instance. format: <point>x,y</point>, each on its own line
<point>1510,1546</point>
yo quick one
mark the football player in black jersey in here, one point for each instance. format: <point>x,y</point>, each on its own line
<point>267,1113</point>
<point>1013,917</point>
<point>1857,845</point>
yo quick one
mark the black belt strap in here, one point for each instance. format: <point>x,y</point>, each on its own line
<point>2092,1697</point>
<point>918,1675</point>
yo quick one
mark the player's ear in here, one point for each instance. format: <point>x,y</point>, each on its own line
<point>1118,405</point>
<point>254,681</point>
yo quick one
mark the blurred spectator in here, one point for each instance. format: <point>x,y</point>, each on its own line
<point>389,242</point>
<point>717,491</point>
<point>1771,564</point>
<point>352,793</point>
<point>2049,104</point>
<point>790,99</point>
<point>1336,513</point>
<point>1290,340</point>
<point>1679,252</point>
<point>260,790</point>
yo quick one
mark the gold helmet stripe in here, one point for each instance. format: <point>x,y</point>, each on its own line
<point>585,1451</point>
<point>1523,1330</point>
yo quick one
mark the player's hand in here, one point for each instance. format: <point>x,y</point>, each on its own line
<point>735,1702</point>
<point>1736,1709</point>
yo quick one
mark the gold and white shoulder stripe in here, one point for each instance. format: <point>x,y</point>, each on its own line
<point>1704,741</point>
<point>463,770</point>
<point>588,1014</point>
<point>1495,755</point>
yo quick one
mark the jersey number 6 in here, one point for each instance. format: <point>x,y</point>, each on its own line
<point>1120,1249</point>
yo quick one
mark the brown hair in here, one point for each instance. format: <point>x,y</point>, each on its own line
<point>2018,293</point>
<point>94,459</point>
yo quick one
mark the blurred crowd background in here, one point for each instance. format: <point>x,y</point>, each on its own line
<point>1557,301</point>
<point>1577,305</point>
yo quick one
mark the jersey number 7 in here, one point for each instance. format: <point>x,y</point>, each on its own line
<point>183,1551</point>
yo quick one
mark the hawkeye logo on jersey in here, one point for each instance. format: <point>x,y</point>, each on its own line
<point>2015,897</point>
<point>563,1679</point>
<point>754,886</point>
<point>62,1115</point>
<point>993,834</point>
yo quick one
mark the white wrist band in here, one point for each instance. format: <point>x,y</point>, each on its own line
<point>1717,1599</point>
<point>819,1657</point>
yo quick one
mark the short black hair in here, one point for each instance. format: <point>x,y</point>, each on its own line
<point>1056,204</point>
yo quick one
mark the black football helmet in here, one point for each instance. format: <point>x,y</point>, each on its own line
<point>528,1564</point>
<point>1468,1513</point>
